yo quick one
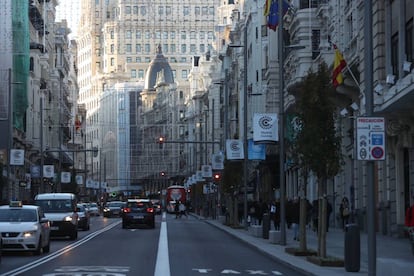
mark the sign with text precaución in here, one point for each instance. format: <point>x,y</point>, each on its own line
<point>370,138</point>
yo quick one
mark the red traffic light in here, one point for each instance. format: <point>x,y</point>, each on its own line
<point>216,177</point>
<point>162,173</point>
<point>161,139</point>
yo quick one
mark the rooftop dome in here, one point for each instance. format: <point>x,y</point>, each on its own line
<point>158,69</point>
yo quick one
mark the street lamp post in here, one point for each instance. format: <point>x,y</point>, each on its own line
<point>245,142</point>
<point>281,128</point>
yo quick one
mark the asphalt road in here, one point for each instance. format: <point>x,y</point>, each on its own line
<point>176,247</point>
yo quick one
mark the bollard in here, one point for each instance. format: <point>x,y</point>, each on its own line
<point>352,248</point>
<point>266,225</point>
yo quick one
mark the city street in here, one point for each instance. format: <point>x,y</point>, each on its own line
<point>194,248</point>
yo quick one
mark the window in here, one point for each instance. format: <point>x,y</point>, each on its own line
<point>112,34</point>
<point>140,73</point>
<point>168,10</point>
<point>183,35</point>
<point>183,48</point>
<point>128,48</point>
<point>193,35</point>
<point>183,59</point>
<point>147,59</point>
<point>128,34</point>
<point>158,34</point>
<point>147,48</point>
<point>143,10</point>
<point>98,52</point>
<point>172,34</point>
<point>211,10</point>
<point>137,59</point>
<point>127,9</point>
<point>197,11</point>
<point>184,74</point>
<point>193,48</point>
<point>160,10</point>
<point>135,9</point>
<point>147,34</point>
<point>133,73</point>
<point>204,10</point>
<point>138,48</point>
<point>112,61</point>
<point>409,40</point>
<point>112,48</point>
<point>174,73</point>
<point>186,10</point>
<point>202,48</point>
<point>31,64</point>
<point>394,54</point>
<point>138,35</point>
<point>202,35</point>
<point>128,59</point>
<point>97,14</point>
<point>210,35</point>
<point>181,95</point>
<point>165,35</point>
<point>165,48</point>
<point>172,48</point>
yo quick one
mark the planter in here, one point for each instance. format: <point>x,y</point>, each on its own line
<point>298,252</point>
<point>328,261</point>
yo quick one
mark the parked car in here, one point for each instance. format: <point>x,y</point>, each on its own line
<point>138,212</point>
<point>83,217</point>
<point>113,209</point>
<point>24,228</point>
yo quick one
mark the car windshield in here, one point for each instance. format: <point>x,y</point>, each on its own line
<point>58,205</point>
<point>18,215</point>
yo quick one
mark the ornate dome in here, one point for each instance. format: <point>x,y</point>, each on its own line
<point>159,70</point>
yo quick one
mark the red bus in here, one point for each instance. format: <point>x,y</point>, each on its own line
<point>175,193</point>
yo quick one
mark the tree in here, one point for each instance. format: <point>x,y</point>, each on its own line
<point>317,142</point>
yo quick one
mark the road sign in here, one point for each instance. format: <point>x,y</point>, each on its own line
<point>370,138</point>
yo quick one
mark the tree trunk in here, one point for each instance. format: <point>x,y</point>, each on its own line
<point>322,222</point>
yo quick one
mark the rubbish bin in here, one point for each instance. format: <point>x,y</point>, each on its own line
<point>266,225</point>
<point>352,248</point>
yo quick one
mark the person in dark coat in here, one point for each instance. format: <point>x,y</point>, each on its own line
<point>315,215</point>
<point>295,213</point>
<point>344,211</point>
<point>328,214</point>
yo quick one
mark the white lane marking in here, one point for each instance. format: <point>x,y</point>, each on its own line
<point>58,253</point>
<point>162,266</point>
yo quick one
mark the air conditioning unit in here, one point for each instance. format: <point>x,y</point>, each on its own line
<point>407,66</point>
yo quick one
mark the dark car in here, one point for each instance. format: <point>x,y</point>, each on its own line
<point>113,209</point>
<point>83,217</point>
<point>138,212</point>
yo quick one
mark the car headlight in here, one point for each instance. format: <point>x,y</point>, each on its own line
<point>106,210</point>
<point>29,234</point>
<point>68,218</point>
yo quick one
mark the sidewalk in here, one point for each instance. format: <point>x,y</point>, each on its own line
<point>394,256</point>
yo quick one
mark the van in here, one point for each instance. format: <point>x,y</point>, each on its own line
<point>60,210</point>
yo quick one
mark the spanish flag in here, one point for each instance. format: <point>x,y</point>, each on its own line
<point>267,7</point>
<point>338,66</point>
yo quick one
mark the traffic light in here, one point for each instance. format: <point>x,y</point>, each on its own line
<point>161,140</point>
<point>162,173</point>
<point>216,177</point>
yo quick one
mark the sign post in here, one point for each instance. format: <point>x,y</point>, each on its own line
<point>370,138</point>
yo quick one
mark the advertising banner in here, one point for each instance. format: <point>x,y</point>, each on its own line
<point>265,127</point>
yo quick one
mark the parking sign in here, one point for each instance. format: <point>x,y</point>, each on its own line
<point>370,138</point>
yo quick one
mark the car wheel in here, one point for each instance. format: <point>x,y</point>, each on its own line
<point>39,247</point>
<point>46,249</point>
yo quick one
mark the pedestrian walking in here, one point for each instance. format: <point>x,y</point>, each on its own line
<point>344,211</point>
<point>315,215</point>
<point>328,214</point>
<point>182,209</point>
<point>295,212</point>
<point>177,209</point>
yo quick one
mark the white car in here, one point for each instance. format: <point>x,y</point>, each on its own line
<point>93,209</point>
<point>24,228</point>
